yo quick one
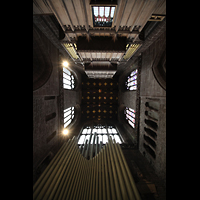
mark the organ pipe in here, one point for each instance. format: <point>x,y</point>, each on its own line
<point>92,147</point>
<point>85,145</point>
<point>70,175</point>
<point>88,146</point>
<point>96,148</point>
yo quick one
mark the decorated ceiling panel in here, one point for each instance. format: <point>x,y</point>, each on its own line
<point>99,99</point>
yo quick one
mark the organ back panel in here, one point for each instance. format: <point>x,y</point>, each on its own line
<point>71,176</point>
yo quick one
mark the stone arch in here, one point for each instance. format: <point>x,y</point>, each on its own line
<point>159,67</point>
<point>42,66</point>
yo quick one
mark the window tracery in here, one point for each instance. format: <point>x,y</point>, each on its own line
<point>131,83</point>
<point>130,116</point>
<point>68,116</point>
<point>68,79</point>
<point>102,131</point>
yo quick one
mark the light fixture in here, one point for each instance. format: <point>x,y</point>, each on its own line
<point>65,131</point>
<point>65,63</point>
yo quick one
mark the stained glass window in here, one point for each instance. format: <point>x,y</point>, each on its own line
<point>102,131</point>
<point>103,15</point>
<point>68,79</point>
<point>131,83</point>
<point>130,116</point>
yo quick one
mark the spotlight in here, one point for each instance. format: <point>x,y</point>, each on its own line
<point>65,63</point>
<point>65,131</point>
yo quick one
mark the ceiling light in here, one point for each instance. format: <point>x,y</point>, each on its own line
<point>65,131</point>
<point>65,63</point>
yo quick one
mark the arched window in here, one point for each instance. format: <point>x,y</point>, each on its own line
<point>131,83</point>
<point>68,116</point>
<point>101,131</point>
<point>68,79</point>
<point>130,116</point>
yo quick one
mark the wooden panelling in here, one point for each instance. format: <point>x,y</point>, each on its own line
<point>98,100</point>
<point>109,56</point>
<point>78,13</point>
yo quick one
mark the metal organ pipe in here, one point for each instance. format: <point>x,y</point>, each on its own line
<point>96,149</point>
<point>92,147</point>
<point>124,174</point>
<point>85,145</point>
<point>136,193</point>
<point>71,176</point>
<point>121,185</point>
<point>88,146</point>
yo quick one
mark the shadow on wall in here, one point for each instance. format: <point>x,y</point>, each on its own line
<point>42,66</point>
<point>159,68</point>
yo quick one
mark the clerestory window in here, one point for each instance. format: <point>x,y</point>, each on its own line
<point>68,79</point>
<point>103,15</point>
<point>101,131</point>
<point>68,116</point>
<point>131,83</point>
<point>130,116</point>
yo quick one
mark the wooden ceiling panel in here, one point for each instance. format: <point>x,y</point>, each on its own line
<point>119,14</point>
<point>108,55</point>
<point>94,55</point>
<point>114,55</point>
<point>72,12</point>
<point>80,11</point>
<point>88,12</point>
<point>88,55</point>
<point>59,8</point>
<point>145,13</point>
<point>99,99</point>
<point>103,55</point>
<point>118,55</point>
<point>127,10</point>
<point>83,55</point>
<point>98,54</point>
<point>136,9</point>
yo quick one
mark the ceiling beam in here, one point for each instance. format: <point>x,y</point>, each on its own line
<point>119,14</point>
<point>83,4</point>
<point>95,31</point>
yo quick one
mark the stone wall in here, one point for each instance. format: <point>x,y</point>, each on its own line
<point>149,101</point>
<point>49,101</point>
<point>127,98</point>
<point>46,140</point>
<point>152,134</point>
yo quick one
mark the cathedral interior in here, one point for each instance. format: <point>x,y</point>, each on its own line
<point>99,72</point>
